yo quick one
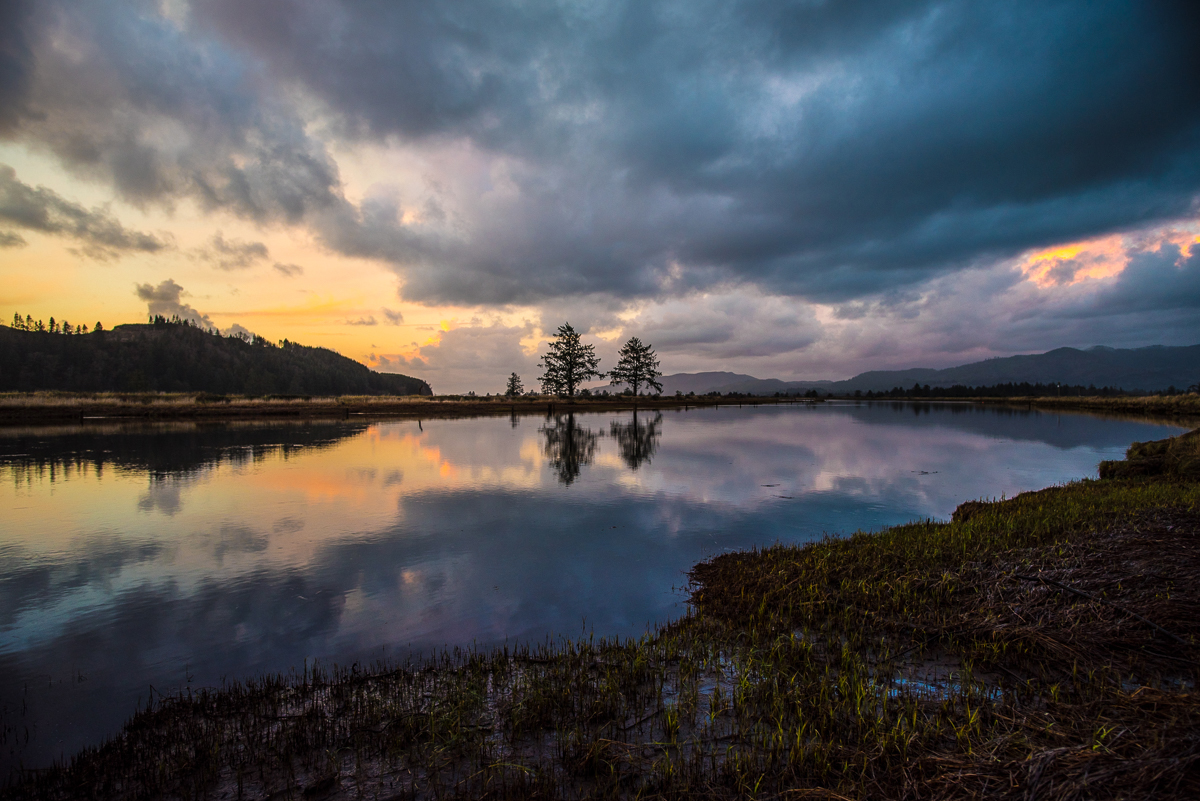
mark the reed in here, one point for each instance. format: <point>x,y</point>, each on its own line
<point>1043,646</point>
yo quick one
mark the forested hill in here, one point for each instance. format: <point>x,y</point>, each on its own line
<point>176,357</point>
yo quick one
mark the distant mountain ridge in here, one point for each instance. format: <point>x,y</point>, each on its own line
<point>176,357</point>
<point>1152,368</point>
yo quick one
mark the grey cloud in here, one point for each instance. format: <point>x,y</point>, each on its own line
<point>396,363</point>
<point>735,325</point>
<point>363,321</point>
<point>476,357</point>
<point>393,317</point>
<point>15,61</point>
<point>824,150</point>
<point>238,330</point>
<point>232,254</point>
<point>288,270</point>
<point>643,150</point>
<point>166,299</point>
<point>1153,281</point>
<point>11,240</point>
<point>140,103</point>
<point>100,234</point>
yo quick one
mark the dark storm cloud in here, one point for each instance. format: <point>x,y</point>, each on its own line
<point>830,150</point>
<point>121,94</point>
<point>15,60</point>
<point>1161,280</point>
<point>100,235</point>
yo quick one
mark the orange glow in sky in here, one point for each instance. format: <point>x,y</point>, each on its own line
<point>1077,261</point>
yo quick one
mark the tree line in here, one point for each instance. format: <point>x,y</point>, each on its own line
<point>569,363</point>
<point>27,323</point>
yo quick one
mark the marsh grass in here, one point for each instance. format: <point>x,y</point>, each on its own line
<point>1039,647</point>
<point>25,409</point>
<point>1178,405</point>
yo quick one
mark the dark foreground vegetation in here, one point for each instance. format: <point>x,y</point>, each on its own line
<point>1041,647</point>
<point>171,356</point>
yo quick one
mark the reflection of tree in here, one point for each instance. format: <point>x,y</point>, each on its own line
<point>568,447</point>
<point>638,439</point>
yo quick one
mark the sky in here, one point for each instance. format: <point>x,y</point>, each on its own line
<point>798,190</point>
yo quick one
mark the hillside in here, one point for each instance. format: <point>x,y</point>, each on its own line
<point>173,357</point>
<point>703,382</point>
<point>1153,368</point>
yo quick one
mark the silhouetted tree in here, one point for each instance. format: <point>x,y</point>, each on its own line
<point>637,364</point>
<point>514,387</point>
<point>568,363</point>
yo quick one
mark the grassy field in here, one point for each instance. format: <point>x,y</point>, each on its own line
<point>1181,405</point>
<point>56,407</point>
<point>25,408</point>
<point>1044,646</point>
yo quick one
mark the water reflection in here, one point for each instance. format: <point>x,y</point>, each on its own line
<point>636,439</point>
<point>568,446</point>
<point>137,555</point>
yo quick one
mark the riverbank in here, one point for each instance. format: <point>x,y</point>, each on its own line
<point>58,407</point>
<point>1182,405</point>
<point>1043,646</point>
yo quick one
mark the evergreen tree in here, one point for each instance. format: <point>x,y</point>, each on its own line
<point>568,363</point>
<point>514,387</point>
<point>637,365</point>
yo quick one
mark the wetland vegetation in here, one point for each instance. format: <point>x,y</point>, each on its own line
<point>1043,646</point>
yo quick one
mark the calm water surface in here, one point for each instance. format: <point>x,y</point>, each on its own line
<point>182,554</point>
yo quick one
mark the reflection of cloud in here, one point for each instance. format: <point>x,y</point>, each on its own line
<point>484,551</point>
<point>238,539</point>
<point>288,525</point>
<point>163,495</point>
